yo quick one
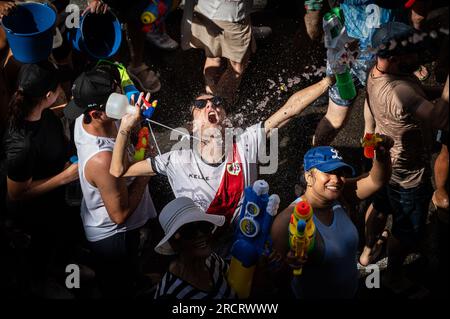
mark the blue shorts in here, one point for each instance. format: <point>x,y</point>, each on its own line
<point>359,72</point>
<point>409,208</point>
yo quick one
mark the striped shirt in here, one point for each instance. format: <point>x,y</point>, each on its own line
<point>173,287</point>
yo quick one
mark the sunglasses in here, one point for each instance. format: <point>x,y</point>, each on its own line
<point>341,172</point>
<point>194,230</point>
<point>215,100</point>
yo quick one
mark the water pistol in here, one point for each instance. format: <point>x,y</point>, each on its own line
<point>118,105</point>
<point>252,237</point>
<point>148,108</point>
<point>336,39</point>
<point>155,13</point>
<point>370,142</point>
<point>301,231</point>
<point>142,144</point>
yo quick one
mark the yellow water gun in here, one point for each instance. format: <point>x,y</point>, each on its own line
<point>142,144</point>
<point>370,142</point>
<point>301,231</point>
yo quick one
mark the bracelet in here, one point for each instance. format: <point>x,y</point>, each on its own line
<point>124,132</point>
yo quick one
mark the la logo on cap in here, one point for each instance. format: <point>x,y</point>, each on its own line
<point>336,154</point>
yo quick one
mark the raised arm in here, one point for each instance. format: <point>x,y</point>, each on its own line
<point>363,187</point>
<point>297,103</point>
<point>369,121</point>
<point>120,201</point>
<point>120,165</point>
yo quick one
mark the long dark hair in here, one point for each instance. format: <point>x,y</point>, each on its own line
<point>20,107</point>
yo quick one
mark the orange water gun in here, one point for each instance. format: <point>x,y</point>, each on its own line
<point>370,142</point>
<point>302,231</point>
<point>142,144</point>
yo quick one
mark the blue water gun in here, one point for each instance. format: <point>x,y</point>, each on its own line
<point>252,236</point>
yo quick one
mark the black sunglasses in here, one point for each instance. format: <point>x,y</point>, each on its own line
<point>215,100</point>
<point>341,172</point>
<point>193,230</point>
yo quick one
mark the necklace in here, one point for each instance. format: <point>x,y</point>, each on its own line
<point>376,67</point>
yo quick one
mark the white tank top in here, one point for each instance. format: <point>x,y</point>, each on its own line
<point>96,221</point>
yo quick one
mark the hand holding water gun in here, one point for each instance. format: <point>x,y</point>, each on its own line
<point>370,141</point>
<point>252,236</point>
<point>118,106</point>
<point>143,144</point>
<point>301,232</point>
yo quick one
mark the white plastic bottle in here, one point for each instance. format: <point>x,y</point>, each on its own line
<point>117,106</point>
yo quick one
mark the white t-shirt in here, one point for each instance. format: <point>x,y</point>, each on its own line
<point>191,177</point>
<point>96,221</point>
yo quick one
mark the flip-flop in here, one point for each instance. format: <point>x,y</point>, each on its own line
<point>150,84</point>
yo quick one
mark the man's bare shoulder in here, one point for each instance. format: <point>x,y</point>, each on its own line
<point>98,164</point>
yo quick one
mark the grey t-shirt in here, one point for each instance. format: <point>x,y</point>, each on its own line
<point>393,101</point>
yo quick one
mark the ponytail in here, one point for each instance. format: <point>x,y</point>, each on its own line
<point>20,107</point>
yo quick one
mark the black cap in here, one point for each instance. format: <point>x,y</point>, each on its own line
<point>37,79</point>
<point>91,90</point>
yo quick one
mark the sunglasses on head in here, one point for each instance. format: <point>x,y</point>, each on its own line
<point>215,100</point>
<point>193,230</point>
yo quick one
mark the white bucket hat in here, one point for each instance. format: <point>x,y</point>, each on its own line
<point>179,212</point>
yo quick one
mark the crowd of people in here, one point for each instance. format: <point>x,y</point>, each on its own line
<point>58,136</point>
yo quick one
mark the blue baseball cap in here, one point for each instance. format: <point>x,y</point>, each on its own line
<point>325,159</point>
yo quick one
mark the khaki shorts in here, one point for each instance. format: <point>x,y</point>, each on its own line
<point>231,40</point>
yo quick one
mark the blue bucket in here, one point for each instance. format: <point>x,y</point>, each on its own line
<point>29,30</point>
<point>99,35</point>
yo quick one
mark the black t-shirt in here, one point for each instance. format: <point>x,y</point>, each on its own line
<point>38,150</point>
